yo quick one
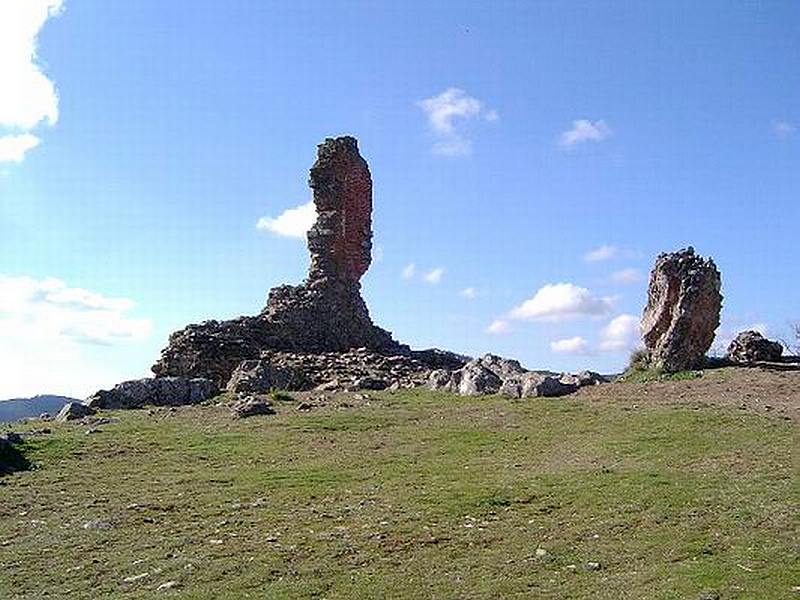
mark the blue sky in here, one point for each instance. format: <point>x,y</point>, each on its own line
<point>529,160</point>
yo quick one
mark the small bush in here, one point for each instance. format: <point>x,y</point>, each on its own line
<point>639,361</point>
<point>281,396</point>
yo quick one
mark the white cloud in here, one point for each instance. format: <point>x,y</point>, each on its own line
<point>627,276</point>
<point>601,253</point>
<point>293,222</point>
<point>561,301</point>
<point>498,327</point>
<point>783,129</point>
<point>14,147</point>
<point>573,345</point>
<point>45,329</point>
<point>621,334</point>
<point>28,97</point>
<point>446,115</point>
<point>584,130</point>
<point>408,271</point>
<point>454,146</point>
<point>377,254</point>
<point>468,293</point>
<point>434,276</point>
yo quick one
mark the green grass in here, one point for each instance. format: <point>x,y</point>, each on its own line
<point>637,375</point>
<point>417,495</point>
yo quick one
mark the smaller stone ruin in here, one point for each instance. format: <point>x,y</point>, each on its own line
<point>751,347</point>
<point>682,312</point>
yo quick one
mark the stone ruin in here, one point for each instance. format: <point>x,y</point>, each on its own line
<point>324,314</point>
<point>318,322</point>
<point>682,312</point>
<point>319,335</point>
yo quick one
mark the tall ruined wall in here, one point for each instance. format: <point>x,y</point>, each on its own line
<point>340,242</point>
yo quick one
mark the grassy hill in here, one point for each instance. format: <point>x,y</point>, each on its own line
<point>680,489</point>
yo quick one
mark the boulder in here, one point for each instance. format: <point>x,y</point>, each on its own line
<point>160,391</point>
<point>262,376</point>
<point>73,411</point>
<point>440,380</point>
<point>251,406</point>
<point>475,379</point>
<point>751,346</point>
<point>549,386</point>
<point>582,378</point>
<point>682,312</point>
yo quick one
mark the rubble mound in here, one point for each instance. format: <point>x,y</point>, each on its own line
<point>358,369</point>
<point>682,312</point>
<point>751,347</point>
<point>492,374</point>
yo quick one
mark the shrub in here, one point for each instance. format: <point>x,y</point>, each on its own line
<point>639,361</point>
<point>280,396</point>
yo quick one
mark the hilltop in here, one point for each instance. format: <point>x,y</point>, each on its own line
<point>678,488</point>
<point>21,408</point>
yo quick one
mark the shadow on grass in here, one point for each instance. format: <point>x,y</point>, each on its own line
<point>12,460</point>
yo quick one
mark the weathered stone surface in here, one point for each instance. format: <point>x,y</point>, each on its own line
<point>261,376</point>
<point>492,374</point>
<point>583,378</point>
<point>682,312</point>
<point>474,379</point>
<point>340,242</point>
<point>750,347</point>
<point>324,314</point>
<point>251,406</point>
<point>161,391</point>
<point>212,349</point>
<point>356,369</point>
<point>73,411</point>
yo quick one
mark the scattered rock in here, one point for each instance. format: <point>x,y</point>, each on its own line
<point>582,379</point>
<point>97,524</point>
<point>167,585</point>
<point>251,406</point>
<point>135,578</point>
<point>305,406</point>
<point>750,347</point>
<point>73,411</point>
<point>708,595</point>
<point>593,566</point>
<point>682,312</point>
<point>492,374</point>
<point>161,391</point>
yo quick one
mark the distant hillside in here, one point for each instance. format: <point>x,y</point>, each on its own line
<point>20,408</point>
